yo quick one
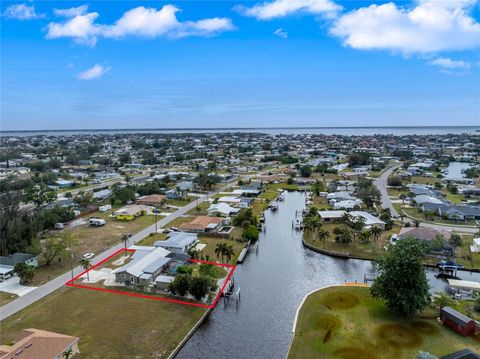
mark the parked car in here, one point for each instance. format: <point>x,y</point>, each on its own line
<point>166,231</point>
<point>97,222</point>
<point>174,229</point>
<point>88,255</point>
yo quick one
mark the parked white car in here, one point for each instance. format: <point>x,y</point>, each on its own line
<point>88,255</point>
<point>97,222</point>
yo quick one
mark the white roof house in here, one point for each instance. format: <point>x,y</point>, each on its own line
<point>347,204</point>
<point>144,263</point>
<point>178,242</point>
<point>331,215</point>
<point>222,209</point>
<point>370,219</point>
<point>340,196</point>
<point>421,199</point>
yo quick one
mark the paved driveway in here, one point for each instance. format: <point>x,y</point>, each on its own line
<point>13,286</point>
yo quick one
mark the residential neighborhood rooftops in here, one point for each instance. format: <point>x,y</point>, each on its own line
<point>202,223</point>
<point>426,234</point>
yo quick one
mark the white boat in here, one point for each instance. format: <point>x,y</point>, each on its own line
<point>281,197</point>
<point>298,224</point>
<point>274,205</point>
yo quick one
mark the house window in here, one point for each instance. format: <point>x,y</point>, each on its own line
<point>132,279</point>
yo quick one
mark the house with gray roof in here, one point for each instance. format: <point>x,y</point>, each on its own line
<point>143,267</point>
<point>178,242</point>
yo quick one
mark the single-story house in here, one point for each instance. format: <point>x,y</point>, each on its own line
<point>171,194</point>
<point>102,195</point>
<point>130,212</point>
<point>230,200</point>
<point>331,216</point>
<point>339,196</point>
<point>61,183</point>
<point>178,242</point>
<point>7,264</point>
<point>422,199</point>
<point>39,344</point>
<point>461,213</point>
<point>222,210</point>
<point>369,219</point>
<point>202,224</point>
<point>347,204</point>
<point>427,235</point>
<point>155,200</point>
<point>144,266</point>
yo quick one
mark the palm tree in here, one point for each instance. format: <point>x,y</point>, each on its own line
<point>67,354</point>
<point>229,252</point>
<point>86,265</point>
<point>346,219</point>
<point>323,235</point>
<point>220,250</point>
<point>365,236</point>
<point>376,232</point>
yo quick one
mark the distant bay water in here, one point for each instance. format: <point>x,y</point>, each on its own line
<point>347,131</point>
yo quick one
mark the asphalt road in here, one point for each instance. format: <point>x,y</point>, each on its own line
<point>44,290</point>
<point>381,183</point>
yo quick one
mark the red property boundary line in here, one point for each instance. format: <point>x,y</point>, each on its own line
<point>71,283</point>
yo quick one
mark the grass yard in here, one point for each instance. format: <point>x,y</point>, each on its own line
<point>151,239</point>
<point>200,210</point>
<point>395,192</point>
<point>180,202</point>
<point>282,185</point>
<point>211,242</point>
<point>368,250</point>
<point>346,323</point>
<point>423,180</point>
<point>178,221</point>
<point>108,325</point>
<point>92,239</point>
<point>6,298</point>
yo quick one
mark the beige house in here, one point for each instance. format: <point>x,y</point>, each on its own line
<point>155,200</point>
<point>39,344</point>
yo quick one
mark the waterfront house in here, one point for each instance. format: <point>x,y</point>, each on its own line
<point>331,216</point>
<point>144,266</point>
<point>369,219</point>
<point>178,242</point>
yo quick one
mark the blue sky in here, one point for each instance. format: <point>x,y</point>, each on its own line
<point>114,64</point>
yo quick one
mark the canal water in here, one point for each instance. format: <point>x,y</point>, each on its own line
<point>273,283</point>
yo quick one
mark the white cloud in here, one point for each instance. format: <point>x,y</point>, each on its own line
<point>22,12</point>
<point>281,33</point>
<point>449,64</point>
<point>430,26</point>
<point>71,12</point>
<point>95,72</point>
<point>282,8</point>
<point>139,21</point>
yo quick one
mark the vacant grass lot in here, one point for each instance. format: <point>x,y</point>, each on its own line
<point>108,325</point>
<point>356,248</point>
<point>346,323</point>
<point>92,239</point>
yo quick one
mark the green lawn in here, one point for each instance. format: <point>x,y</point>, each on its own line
<point>6,298</point>
<point>180,202</point>
<point>108,325</point>
<point>211,242</point>
<point>370,250</point>
<point>200,210</point>
<point>346,323</point>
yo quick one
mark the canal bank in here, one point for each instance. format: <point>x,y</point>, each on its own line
<point>273,282</point>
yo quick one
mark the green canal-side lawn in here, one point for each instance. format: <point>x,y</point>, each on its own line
<point>346,323</point>
<point>108,325</point>
<point>369,250</point>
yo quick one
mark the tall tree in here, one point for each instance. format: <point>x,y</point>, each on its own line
<point>86,265</point>
<point>40,194</point>
<point>402,281</point>
<point>56,245</point>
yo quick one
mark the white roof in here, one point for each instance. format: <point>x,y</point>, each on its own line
<point>221,207</point>
<point>427,199</point>
<point>464,284</point>
<point>164,279</point>
<point>331,214</point>
<point>369,218</point>
<point>143,259</point>
<point>477,241</point>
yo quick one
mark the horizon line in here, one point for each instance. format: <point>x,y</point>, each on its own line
<point>171,129</point>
